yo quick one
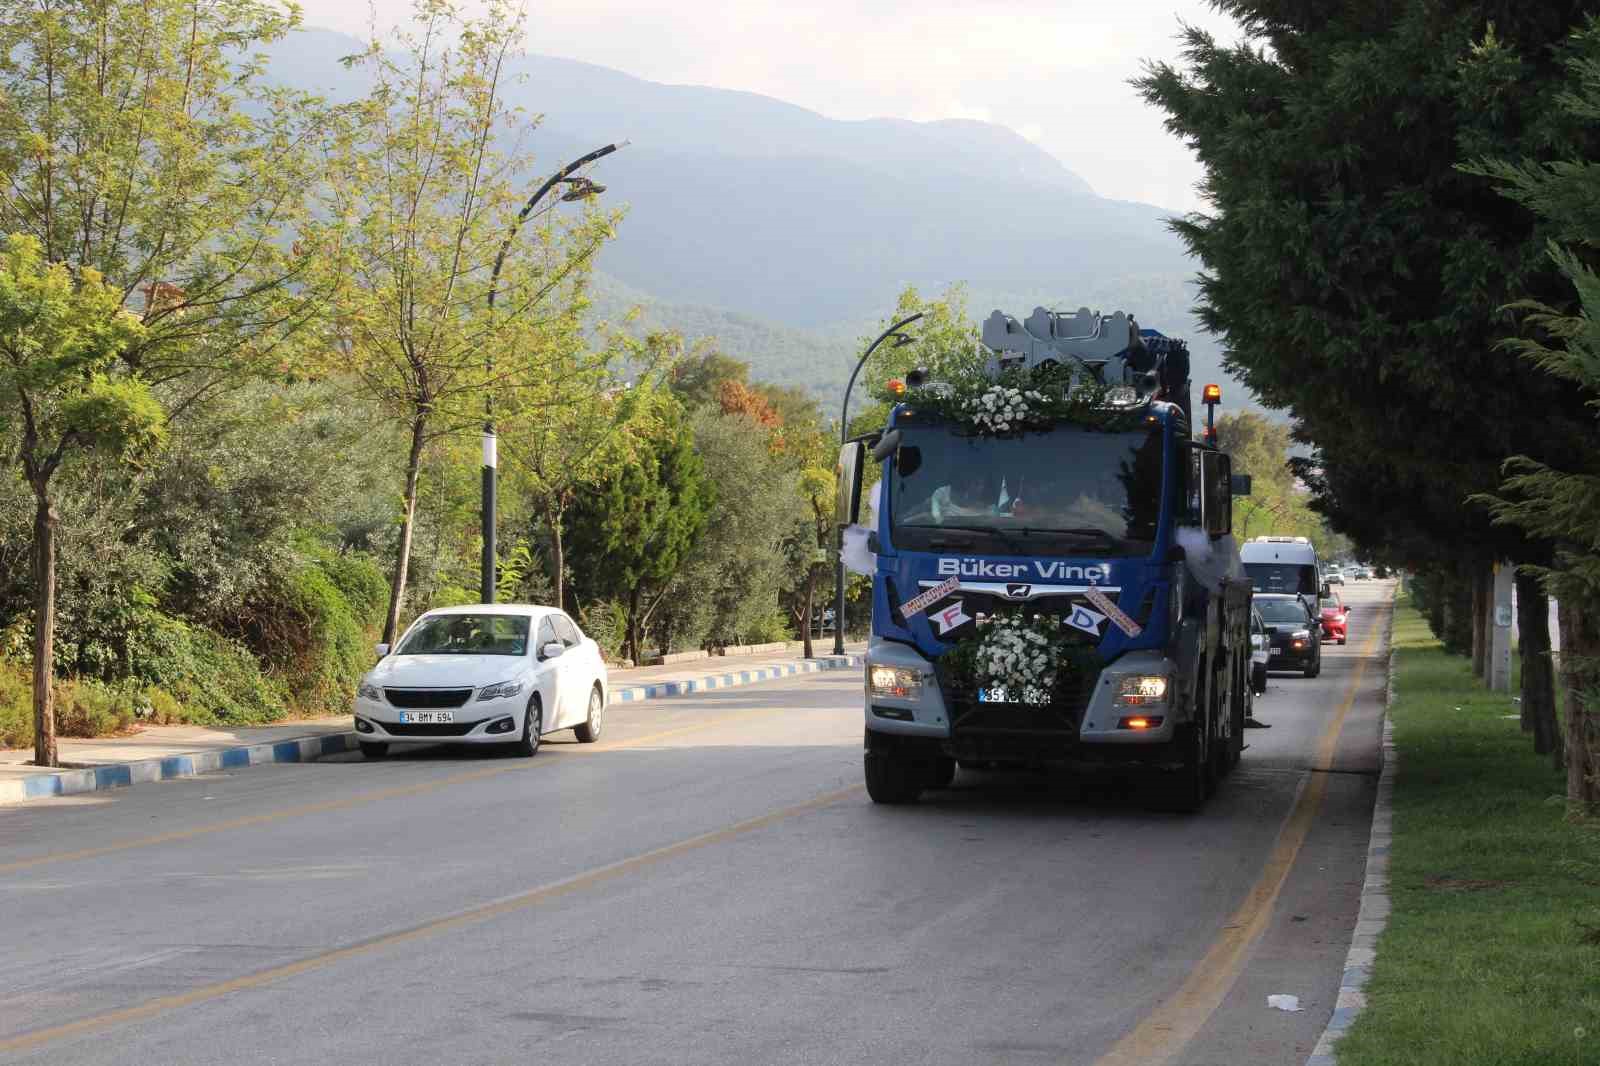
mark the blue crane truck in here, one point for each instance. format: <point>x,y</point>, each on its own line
<point>1054,580</point>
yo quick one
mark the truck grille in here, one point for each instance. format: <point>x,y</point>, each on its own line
<point>427,697</point>
<point>1061,716</point>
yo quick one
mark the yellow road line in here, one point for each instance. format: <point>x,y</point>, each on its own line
<point>1175,1022</point>
<point>398,792</point>
<point>610,871</point>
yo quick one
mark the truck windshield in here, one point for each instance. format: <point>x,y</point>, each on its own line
<point>1067,490</point>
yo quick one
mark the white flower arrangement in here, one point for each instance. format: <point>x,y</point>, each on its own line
<point>1000,408</point>
<point>1019,657</point>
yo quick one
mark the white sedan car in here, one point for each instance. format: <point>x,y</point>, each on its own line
<point>483,674</point>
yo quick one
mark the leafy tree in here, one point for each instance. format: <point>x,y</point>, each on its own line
<point>631,533</point>
<point>945,337</point>
<point>1559,499</point>
<point>66,393</point>
<point>564,438</point>
<point>726,589</point>
<point>138,138</point>
<point>1354,273</point>
<point>419,205</point>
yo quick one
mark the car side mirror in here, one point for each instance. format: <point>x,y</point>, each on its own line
<point>552,650</point>
<point>381,650</point>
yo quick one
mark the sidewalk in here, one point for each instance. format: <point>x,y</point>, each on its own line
<point>159,753</point>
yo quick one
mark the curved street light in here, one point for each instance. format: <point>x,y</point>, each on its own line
<point>900,341</point>
<point>580,188</point>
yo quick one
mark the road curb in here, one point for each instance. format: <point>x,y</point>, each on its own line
<point>309,749</point>
<point>733,679</point>
<point>1374,913</point>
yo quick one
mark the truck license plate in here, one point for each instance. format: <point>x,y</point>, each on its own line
<point>427,717</point>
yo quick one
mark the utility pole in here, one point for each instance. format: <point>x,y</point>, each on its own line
<point>582,188</point>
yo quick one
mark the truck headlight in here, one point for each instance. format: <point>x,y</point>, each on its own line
<point>1139,690</point>
<point>894,681</point>
<point>368,691</point>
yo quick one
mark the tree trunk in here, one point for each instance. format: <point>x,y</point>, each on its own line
<point>397,590</point>
<point>633,624</point>
<point>1482,593</point>
<point>805,623</point>
<point>558,554</point>
<point>44,627</point>
<point>1580,670</point>
<point>1458,601</point>
<point>1538,672</point>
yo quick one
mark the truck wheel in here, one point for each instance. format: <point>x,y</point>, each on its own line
<point>1186,788</point>
<point>944,771</point>
<point>893,780</point>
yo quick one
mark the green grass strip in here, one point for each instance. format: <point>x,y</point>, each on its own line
<point>1492,952</point>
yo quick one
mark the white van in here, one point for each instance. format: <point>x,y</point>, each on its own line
<point>1283,565</point>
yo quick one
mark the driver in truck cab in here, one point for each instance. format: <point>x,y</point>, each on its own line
<point>969,494</point>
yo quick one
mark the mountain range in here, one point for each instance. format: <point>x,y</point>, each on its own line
<point>786,234</point>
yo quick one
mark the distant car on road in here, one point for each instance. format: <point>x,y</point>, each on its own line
<point>1333,577</point>
<point>483,674</point>
<point>1293,633</point>
<point>1333,619</point>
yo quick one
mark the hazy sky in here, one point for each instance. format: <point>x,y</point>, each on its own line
<point>1055,71</point>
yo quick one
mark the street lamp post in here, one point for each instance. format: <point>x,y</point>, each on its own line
<point>900,340</point>
<point>582,188</point>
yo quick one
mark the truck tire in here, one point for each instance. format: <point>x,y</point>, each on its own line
<point>1185,789</point>
<point>893,780</point>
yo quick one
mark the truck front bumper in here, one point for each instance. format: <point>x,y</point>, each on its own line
<point>1106,721</point>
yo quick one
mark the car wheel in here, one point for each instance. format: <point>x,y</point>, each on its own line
<point>588,731</point>
<point>944,772</point>
<point>373,749</point>
<point>1341,640</point>
<point>532,729</point>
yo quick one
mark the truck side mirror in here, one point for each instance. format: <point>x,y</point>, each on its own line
<point>1327,589</point>
<point>1241,484</point>
<point>847,498</point>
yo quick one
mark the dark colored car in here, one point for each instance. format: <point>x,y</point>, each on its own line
<point>1293,632</point>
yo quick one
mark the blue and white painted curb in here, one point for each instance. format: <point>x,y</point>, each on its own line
<point>166,768</point>
<point>1374,913</point>
<point>309,749</point>
<point>734,679</point>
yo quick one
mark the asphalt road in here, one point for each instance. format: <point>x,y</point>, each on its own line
<point>707,885</point>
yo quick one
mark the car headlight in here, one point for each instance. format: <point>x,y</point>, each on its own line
<point>1300,634</point>
<point>368,691</point>
<point>1139,690</point>
<point>499,690</point>
<point>895,681</point>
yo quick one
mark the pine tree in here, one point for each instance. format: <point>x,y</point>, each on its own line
<point>1560,499</point>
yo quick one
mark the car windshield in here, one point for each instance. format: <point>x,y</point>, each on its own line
<point>1278,612</point>
<point>467,634</point>
<point>1068,485</point>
